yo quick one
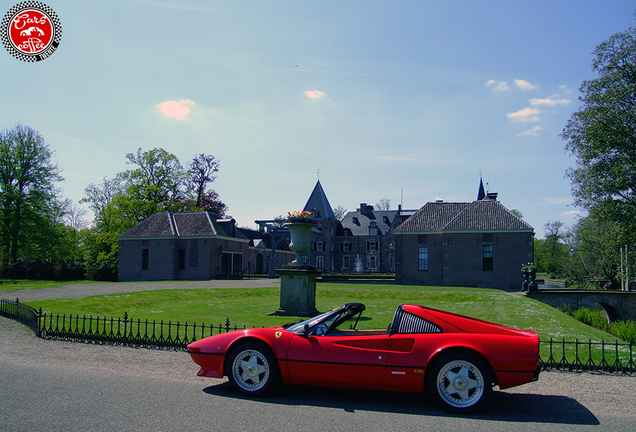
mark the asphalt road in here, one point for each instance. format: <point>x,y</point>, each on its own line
<point>50,386</point>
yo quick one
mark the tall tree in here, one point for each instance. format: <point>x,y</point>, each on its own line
<point>28,197</point>
<point>595,250</point>
<point>202,170</point>
<point>339,212</point>
<point>384,204</point>
<point>156,182</point>
<point>602,133</point>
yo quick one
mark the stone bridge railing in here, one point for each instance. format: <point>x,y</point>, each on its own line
<point>619,305</point>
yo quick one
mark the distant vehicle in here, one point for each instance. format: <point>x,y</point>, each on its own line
<point>454,358</point>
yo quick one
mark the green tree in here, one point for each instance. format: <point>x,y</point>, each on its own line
<point>29,203</point>
<point>595,253</point>
<point>156,182</point>
<point>602,134</point>
<point>551,253</point>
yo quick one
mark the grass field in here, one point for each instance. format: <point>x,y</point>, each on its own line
<point>252,307</point>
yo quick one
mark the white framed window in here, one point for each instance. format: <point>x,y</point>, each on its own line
<point>320,263</point>
<point>346,262</point>
<point>320,246</point>
<point>422,257</point>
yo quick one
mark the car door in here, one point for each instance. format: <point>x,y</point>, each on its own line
<point>338,359</point>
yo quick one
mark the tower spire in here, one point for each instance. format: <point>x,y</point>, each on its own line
<point>482,192</point>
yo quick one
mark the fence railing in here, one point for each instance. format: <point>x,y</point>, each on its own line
<point>22,313</point>
<point>562,355</point>
<point>588,356</point>
<point>114,331</point>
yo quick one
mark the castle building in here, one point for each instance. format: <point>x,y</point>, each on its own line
<point>363,241</point>
<point>477,243</point>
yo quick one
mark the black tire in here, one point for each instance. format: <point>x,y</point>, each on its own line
<point>253,369</point>
<point>460,382</point>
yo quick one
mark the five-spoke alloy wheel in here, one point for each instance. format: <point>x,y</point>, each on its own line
<point>461,383</point>
<point>252,369</point>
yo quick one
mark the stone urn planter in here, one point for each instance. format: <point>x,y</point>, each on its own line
<point>298,279</point>
<point>299,232</point>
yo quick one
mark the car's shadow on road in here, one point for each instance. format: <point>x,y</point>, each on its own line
<point>509,407</point>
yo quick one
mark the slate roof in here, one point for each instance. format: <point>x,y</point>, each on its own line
<point>191,224</point>
<point>483,215</point>
<point>359,222</point>
<point>319,204</point>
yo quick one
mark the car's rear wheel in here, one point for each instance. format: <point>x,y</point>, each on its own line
<point>253,369</point>
<point>460,382</point>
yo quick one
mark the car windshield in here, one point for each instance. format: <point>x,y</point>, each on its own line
<point>311,322</point>
<point>328,322</point>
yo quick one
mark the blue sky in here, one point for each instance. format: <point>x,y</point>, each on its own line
<point>380,96</point>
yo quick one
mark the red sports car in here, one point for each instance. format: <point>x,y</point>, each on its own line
<point>454,358</point>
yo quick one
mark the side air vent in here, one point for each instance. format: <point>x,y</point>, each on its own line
<point>413,324</point>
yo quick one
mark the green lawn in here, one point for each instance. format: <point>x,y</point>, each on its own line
<point>252,307</point>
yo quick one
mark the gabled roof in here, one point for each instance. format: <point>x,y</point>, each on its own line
<point>189,224</point>
<point>483,215</point>
<point>157,225</point>
<point>319,204</point>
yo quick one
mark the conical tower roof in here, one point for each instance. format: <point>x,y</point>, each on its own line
<point>319,204</point>
<point>482,192</point>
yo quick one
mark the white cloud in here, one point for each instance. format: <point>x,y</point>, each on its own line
<point>176,109</point>
<point>315,94</point>
<point>525,85</point>
<point>497,85</point>
<point>525,115</point>
<point>531,132</point>
<point>550,101</point>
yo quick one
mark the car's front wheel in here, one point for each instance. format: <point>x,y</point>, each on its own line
<point>253,369</point>
<point>460,382</point>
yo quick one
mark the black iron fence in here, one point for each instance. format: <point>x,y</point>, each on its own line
<point>562,355</point>
<point>22,313</point>
<point>588,356</point>
<point>114,331</point>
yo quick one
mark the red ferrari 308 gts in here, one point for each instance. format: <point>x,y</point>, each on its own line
<point>454,358</point>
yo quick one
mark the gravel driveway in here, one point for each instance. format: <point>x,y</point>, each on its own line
<point>91,289</point>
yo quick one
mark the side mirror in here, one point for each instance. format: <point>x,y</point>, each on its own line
<point>305,331</point>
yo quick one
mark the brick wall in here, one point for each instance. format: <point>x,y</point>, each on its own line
<point>456,259</point>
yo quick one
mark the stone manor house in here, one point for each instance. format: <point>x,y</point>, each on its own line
<point>478,243</point>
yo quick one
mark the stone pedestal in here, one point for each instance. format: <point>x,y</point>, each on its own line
<point>297,291</point>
